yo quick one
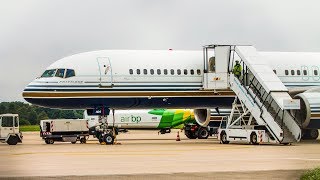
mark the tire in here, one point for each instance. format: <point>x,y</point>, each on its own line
<point>254,139</point>
<point>13,140</point>
<point>47,141</point>
<point>100,138</point>
<point>73,142</point>
<point>190,135</point>
<point>108,138</point>
<point>314,133</point>
<point>51,141</point>
<point>83,140</point>
<point>203,133</point>
<point>223,138</point>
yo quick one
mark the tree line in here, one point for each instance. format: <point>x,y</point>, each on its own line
<point>31,114</point>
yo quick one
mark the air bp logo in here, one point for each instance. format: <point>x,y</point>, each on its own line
<point>133,119</point>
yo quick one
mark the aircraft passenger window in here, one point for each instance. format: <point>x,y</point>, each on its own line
<point>138,71</point>
<point>198,72</point>
<point>275,71</point>
<point>172,71</point>
<point>165,71</point>
<point>130,71</point>
<point>305,72</point>
<point>60,73</point>
<point>292,72</point>
<point>315,72</point>
<point>70,73</point>
<point>49,73</point>
<point>192,72</point>
<point>286,72</point>
<point>158,71</point>
<point>179,72</point>
<point>145,71</point>
<point>151,71</point>
<point>185,72</point>
<point>298,72</point>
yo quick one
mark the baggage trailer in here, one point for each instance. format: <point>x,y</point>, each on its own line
<point>9,129</point>
<point>64,130</point>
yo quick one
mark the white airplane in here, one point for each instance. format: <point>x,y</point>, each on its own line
<point>144,79</point>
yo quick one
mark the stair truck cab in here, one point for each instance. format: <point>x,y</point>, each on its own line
<point>9,129</point>
<point>64,130</point>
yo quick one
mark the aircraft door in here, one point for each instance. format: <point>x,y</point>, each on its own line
<point>105,71</point>
<point>216,75</point>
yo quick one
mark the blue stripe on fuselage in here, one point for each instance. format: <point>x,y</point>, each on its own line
<point>134,103</point>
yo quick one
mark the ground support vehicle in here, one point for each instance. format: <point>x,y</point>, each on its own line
<point>64,130</point>
<point>9,129</point>
<point>239,127</point>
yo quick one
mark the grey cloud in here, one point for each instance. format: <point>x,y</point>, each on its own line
<point>36,33</point>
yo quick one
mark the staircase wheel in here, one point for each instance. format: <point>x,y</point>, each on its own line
<point>254,138</point>
<point>223,138</point>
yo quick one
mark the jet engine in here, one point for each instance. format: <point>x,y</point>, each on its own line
<point>202,116</point>
<point>309,113</point>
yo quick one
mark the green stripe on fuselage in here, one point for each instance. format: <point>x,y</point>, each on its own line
<point>173,118</point>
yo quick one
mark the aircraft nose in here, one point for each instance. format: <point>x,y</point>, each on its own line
<point>26,92</point>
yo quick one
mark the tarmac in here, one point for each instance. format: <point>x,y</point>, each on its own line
<point>145,154</point>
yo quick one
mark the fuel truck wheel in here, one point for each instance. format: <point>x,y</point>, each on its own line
<point>190,135</point>
<point>314,133</point>
<point>203,133</point>
<point>223,138</point>
<point>254,138</point>
<point>108,138</point>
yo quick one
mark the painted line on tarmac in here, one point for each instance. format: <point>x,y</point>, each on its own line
<point>108,152</point>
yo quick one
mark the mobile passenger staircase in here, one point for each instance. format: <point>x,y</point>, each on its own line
<point>259,91</point>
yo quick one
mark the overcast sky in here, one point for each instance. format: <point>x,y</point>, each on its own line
<point>35,33</point>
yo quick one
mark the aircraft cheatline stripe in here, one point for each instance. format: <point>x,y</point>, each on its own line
<point>126,94</point>
<point>315,115</point>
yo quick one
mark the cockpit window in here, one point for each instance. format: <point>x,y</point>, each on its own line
<point>70,73</point>
<point>60,73</point>
<point>49,73</point>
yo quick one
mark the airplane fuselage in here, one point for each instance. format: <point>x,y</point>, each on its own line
<point>150,79</point>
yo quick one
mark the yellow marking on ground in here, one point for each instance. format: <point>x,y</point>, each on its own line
<point>86,154</point>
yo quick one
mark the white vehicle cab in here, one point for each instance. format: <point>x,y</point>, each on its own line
<point>9,129</point>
